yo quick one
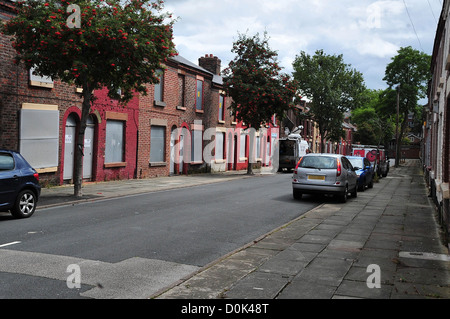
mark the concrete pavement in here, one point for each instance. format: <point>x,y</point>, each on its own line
<point>383,244</point>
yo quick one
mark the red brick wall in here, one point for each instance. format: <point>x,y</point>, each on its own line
<point>102,105</point>
<point>15,90</point>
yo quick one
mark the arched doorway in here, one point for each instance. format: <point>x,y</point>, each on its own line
<point>70,142</point>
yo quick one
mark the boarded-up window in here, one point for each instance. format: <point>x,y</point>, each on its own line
<point>258,147</point>
<point>159,87</point>
<point>242,145</point>
<point>114,145</point>
<point>221,107</point>
<point>181,89</point>
<point>219,145</point>
<point>42,81</point>
<point>197,146</point>
<point>199,96</point>
<point>157,144</point>
<point>39,135</point>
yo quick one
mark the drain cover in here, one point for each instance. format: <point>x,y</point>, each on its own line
<point>422,255</point>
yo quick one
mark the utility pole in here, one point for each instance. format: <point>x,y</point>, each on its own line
<point>397,146</point>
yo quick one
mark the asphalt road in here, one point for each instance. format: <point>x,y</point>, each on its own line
<point>133,246</point>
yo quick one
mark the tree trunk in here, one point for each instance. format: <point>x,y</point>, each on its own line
<point>79,149</point>
<point>322,145</point>
<point>400,138</point>
<point>251,138</point>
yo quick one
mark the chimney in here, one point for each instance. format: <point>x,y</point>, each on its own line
<point>210,63</point>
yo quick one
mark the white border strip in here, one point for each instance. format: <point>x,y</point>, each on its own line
<point>9,244</point>
<point>421,255</point>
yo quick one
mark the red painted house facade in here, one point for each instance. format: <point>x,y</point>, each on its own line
<point>40,117</point>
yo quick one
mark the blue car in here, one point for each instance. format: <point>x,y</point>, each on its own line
<point>19,185</point>
<point>364,170</point>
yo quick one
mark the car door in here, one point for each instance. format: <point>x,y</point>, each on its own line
<point>8,180</point>
<point>351,175</point>
<point>368,169</point>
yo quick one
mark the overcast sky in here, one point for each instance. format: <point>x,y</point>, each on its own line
<point>368,33</point>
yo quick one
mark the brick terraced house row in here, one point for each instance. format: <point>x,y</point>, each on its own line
<point>435,151</point>
<point>163,133</point>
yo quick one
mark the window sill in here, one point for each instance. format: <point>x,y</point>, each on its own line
<point>181,108</point>
<point>47,170</point>
<point>113,165</point>
<point>159,103</point>
<point>42,84</point>
<point>219,161</point>
<point>157,164</point>
<point>199,111</point>
<point>197,163</point>
<point>221,122</point>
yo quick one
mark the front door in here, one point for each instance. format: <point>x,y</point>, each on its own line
<point>69,147</point>
<point>88,148</point>
<point>181,153</point>
<point>172,151</point>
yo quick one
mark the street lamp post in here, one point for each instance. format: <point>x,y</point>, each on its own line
<point>397,146</point>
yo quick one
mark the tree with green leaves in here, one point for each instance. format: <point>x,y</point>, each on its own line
<point>333,88</point>
<point>375,127</point>
<point>254,82</point>
<point>93,44</point>
<point>407,75</point>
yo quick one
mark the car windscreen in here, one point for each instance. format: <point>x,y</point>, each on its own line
<point>6,162</point>
<point>319,162</point>
<point>357,163</point>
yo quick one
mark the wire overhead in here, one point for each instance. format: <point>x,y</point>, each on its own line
<point>412,24</point>
<point>432,12</point>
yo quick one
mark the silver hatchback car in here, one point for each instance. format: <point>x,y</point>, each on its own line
<point>324,174</point>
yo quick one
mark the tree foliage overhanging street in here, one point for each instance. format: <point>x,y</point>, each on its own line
<point>333,88</point>
<point>254,82</point>
<point>409,73</point>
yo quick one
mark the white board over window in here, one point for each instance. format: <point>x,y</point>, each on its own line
<point>39,135</point>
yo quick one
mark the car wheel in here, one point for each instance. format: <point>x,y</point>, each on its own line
<point>355,192</point>
<point>343,197</point>
<point>362,188</point>
<point>25,204</point>
<point>297,194</point>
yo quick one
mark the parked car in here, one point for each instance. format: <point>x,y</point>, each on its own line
<point>364,170</point>
<point>324,174</point>
<point>19,185</point>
